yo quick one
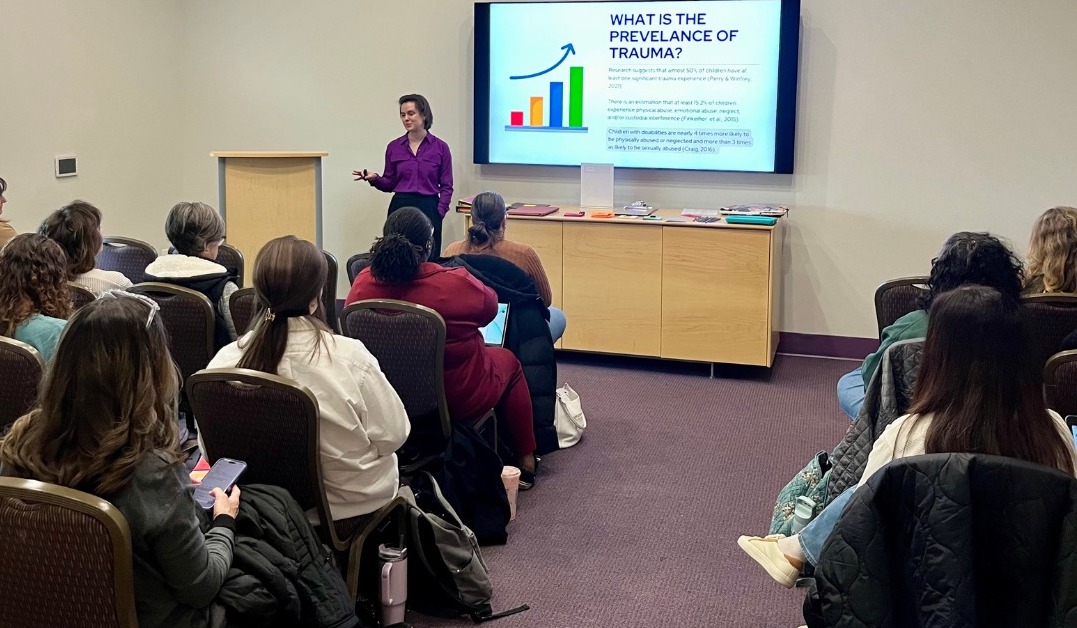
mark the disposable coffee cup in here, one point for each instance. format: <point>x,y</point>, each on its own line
<point>511,477</point>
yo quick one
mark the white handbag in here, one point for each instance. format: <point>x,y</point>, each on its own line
<point>568,418</point>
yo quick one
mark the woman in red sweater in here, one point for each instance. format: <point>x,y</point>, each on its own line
<point>477,377</point>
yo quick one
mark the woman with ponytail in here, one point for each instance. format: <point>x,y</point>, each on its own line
<point>477,377</point>
<point>487,237</point>
<point>363,421</point>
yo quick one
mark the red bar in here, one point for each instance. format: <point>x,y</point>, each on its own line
<point>516,118</point>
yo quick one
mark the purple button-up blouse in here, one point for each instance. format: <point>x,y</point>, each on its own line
<point>429,171</point>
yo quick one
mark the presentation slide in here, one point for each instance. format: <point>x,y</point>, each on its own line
<point>679,85</point>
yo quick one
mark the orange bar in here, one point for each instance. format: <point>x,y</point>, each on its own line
<point>536,111</point>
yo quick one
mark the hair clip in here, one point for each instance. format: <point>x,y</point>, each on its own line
<point>270,316</point>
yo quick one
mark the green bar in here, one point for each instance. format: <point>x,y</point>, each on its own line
<point>575,96</point>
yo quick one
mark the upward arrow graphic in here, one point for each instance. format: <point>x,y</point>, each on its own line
<point>569,50</point>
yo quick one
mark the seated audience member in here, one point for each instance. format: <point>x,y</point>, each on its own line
<point>35,300</point>
<point>363,421</point>
<point>77,227</point>
<point>6,230</point>
<point>196,231</point>
<point>978,392</point>
<point>966,257</point>
<point>489,219</point>
<point>105,426</point>
<point>477,377</point>
<point>1052,252</point>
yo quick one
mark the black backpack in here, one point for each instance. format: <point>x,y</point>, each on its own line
<point>447,576</point>
<point>470,478</point>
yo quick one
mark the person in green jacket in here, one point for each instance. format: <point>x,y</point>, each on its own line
<point>966,258</point>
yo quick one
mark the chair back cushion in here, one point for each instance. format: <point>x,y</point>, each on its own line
<point>21,368</point>
<point>126,255</point>
<point>1048,319</point>
<point>1060,382</point>
<point>898,297</point>
<point>80,296</point>
<point>356,264</point>
<point>230,257</point>
<point>329,293</point>
<point>65,558</point>
<point>189,319</point>
<point>408,341</point>
<point>242,305</point>
<point>269,422</point>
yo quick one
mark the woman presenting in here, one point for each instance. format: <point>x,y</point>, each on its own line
<point>418,167</point>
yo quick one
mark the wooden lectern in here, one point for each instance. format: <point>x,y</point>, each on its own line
<point>267,194</point>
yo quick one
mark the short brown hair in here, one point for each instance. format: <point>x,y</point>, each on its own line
<point>77,228</point>
<point>423,105</point>
<point>192,227</point>
<point>33,280</point>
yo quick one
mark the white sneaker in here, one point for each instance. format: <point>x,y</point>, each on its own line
<point>764,550</point>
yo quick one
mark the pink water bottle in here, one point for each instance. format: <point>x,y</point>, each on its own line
<point>394,583</point>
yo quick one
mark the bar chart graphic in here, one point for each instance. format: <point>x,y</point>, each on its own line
<point>546,113</point>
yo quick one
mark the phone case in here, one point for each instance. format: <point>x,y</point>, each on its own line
<point>223,474</point>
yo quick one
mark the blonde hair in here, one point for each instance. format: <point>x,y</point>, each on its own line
<point>1052,250</point>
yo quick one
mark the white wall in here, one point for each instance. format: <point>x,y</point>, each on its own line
<point>916,119</point>
<point>99,79</point>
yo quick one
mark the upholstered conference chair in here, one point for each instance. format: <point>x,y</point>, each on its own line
<point>272,424</point>
<point>329,294</point>
<point>409,342</point>
<point>1060,382</point>
<point>356,264</point>
<point>231,258</point>
<point>65,558</point>
<point>1048,318</point>
<point>242,306</point>
<point>189,320</point>
<point>898,297</point>
<point>126,255</point>
<point>21,368</point>
<point>80,296</point>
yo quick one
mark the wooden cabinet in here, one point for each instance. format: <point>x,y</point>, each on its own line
<point>613,288</point>
<point>683,291</point>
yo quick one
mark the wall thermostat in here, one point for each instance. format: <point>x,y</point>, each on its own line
<point>66,165</point>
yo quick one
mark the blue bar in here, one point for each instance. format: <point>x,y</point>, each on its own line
<point>557,103</point>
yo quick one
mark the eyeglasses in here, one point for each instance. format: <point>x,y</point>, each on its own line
<point>154,308</point>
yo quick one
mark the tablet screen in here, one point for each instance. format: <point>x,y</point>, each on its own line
<point>494,333</point>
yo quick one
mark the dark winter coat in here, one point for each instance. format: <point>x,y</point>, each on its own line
<point>887,398</point>
<point>954,540</point>
<point>281,573</point>
<point>528,335</point>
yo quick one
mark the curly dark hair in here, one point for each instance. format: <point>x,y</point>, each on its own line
<point>33,280</point>
<point>975,258</point>
<point>405,244</point>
